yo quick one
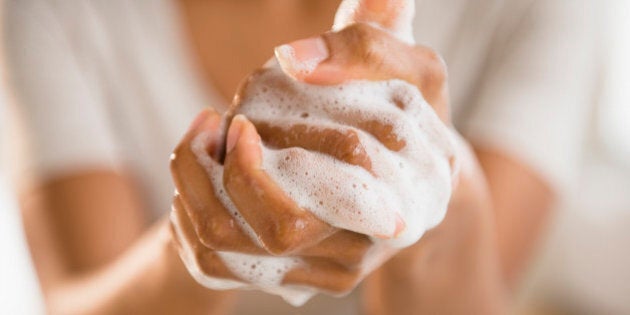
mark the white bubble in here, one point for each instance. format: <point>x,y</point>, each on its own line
<point>413,182</point>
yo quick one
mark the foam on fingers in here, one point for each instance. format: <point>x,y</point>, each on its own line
<point>388,178</point>
<point>403,193</point>
<point>346,196</point>
<point>281,225</point>
<point>412,182</point>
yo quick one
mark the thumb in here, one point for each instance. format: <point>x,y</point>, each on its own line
<point>362,52</point>
<point>352,42</point>
<point>359,51</point>
<point>394,16</point>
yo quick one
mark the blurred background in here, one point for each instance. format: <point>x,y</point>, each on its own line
<point>19,292</point>
<point>584,264</point>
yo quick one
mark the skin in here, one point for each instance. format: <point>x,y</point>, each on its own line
<point>92,264</point>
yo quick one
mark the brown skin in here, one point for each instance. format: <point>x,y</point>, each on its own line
<point>522,203</point>
<point>138,273</point>
<point>93,264</point>
<point>56,208</point>
<point>272,215</point>
<point>461,268</point>
<point>255,28</point>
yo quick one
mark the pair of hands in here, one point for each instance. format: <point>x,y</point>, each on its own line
<point>333,258</point>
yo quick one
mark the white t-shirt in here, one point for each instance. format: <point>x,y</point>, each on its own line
<point>111,84</point>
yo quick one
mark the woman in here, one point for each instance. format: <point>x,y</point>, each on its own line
<point>107,88</point>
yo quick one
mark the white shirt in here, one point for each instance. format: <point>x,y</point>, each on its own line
<point>110,84</point>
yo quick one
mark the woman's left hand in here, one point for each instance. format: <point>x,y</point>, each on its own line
<point>454,268</point>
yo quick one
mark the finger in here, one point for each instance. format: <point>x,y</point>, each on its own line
<point>204,261</point>
<point>193,168</point>
<point>281,225</point>
<point>381,121</point>
<point>344,247</point>
<point>393,15</point>
<point>332,190</point>
<point>328,131</point>
<point>346,196</point>
<point>341,143</point>
<point>320,123</point>
<point>207,120</point>
<point>323,274</point>
<point>362,52</point>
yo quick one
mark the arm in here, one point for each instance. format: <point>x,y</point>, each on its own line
<point>454,268</point>
<point>86,229</point>
<point>481,255</point>
<point>486,230</point>
<point>526,128</point>
<point>93,257</point>
<point>522,203</point>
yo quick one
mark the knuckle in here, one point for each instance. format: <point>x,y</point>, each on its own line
<point>277,248</point>
<point>433,65</point>
<point>174,161</point>
<point>384,130</point>
<point>176,155</point>
<point>352,262</point>
<point>280,244</point>
<point>349,147</point>
<point>361,30</point>
<point>291,235</point>
<point>214,236</point>
<point>346,283</point>
<point>366,42</point>
<point>211,265</point>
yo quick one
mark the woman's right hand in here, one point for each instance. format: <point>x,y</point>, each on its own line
<point>204,221</point>
<point>233,204</point>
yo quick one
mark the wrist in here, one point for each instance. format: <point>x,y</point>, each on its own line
<point>182,288</point>
<point>175,289</point>
<point>425,279</point>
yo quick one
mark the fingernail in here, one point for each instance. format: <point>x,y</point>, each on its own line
<point>400,225</point>
<point>236,127</point>
<point>201,117</point>
<point>301,57</point>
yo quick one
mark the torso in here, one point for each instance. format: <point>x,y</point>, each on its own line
<point>229,39</point>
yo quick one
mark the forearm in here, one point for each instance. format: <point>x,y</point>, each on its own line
<point>149,278</point>
<point>522,204</point>
<point>420,280</point>
<point>453,269</point>
<point>387,294</point>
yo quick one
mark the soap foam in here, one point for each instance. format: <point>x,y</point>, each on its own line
<point>187,255</point>
<point>265,273</point>
<point>261,272</point>
<point>214,170</point>
<point>414,182</point>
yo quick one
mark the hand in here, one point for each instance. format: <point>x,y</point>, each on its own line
<point>335,259</point>
<point>429,77</point>
<point>204,223</point>
<point>454,267</point>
